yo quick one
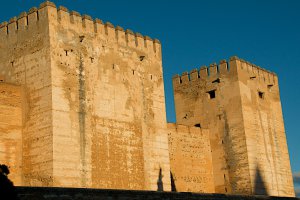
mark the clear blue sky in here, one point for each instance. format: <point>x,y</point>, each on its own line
<point>195,33</point>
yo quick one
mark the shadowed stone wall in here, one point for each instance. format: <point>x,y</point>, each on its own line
<point>97,194</point>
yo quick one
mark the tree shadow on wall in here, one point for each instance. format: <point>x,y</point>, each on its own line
<point>173,186</point>
<point>260,187</point>
<point>160,184</point>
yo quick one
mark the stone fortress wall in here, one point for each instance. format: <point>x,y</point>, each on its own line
<point>239,104</point>
<point>89,109</point>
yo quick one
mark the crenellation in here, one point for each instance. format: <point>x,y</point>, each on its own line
<point>99,26</point>
<point>32,10</point>
<point>149,43</point>
<point>157,46</point>
<point>185,78</point>
<point>176,80</point>
<point>85,16</point>
<point>260,75</point>
<point>108,30</point>
<point>22,21</point>
<point>12,25</point>
<point>254,71</point>
<point>98,21</point>
<point>213,70</point>
<point>3,29</point>
<point>75,13</point>
<point>270,79</point>
<point>227,69</point>
<point>47,3</point>
<point>140,43</point>
<point>223,67</point>
<point>156,41</point>
<point>23,14</point>
<point>63,9</point>
<point>3,24</point>
<point>275,79</point>
<point>119,28</point>
<point>63,14</point>
<point>249,68</point>
<point>88,23</point>
<point>232,58</point>
<point>265,76</point>
<point>120,34</point>
<point>109,24</point>
<point>194,75</point>
<point>203,72</point>
<point>32,16</point>
<point>130,38</point>
<point>223,61</point>
<point>13,19</point>
<point>75,19</point>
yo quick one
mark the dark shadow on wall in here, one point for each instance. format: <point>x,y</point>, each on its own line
<point>259,187</point>
<point>173,186</point>
<point>7,188</point>
<point>160,184</point>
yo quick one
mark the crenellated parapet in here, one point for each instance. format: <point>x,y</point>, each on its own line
<point>234,67</point>
<point>26,20</point>
<point>84,23</point>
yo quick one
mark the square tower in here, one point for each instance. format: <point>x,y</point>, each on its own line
<point>93,106</point>
<point>240,105</point>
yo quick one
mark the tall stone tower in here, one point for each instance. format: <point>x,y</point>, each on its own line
<point>82,105</point>
<point>89,99</point>
<point>240,105</point>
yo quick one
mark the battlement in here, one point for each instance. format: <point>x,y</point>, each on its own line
<point>84,23</point>
<point>113,33</point>
<point>225,68</point>
<point>25,20</point>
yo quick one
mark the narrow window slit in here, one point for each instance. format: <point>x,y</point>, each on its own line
<point>261,95</point>
<point>142,58</point>
<point>216,81</point>
<point>81,38</point>
<point>198,125</point>
<point>211,94</point>
<point>220,116</point>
